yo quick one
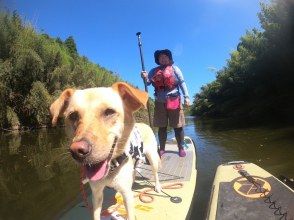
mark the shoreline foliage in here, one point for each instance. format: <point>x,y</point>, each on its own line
<point>257,82</point>
<point>35,68</point>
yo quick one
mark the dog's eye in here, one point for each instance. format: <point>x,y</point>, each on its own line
<point>74,116</point>
<point>109,112</point>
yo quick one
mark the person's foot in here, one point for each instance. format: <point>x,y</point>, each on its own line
<point>182,152</point>
<point>161,152</point>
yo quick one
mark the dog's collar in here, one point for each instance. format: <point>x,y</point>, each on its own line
<point>134,150</point>
<point>115,163</point>
<point>112,148</point>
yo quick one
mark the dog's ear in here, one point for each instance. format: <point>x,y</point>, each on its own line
<point>60,105</point>
<point>132,97</point>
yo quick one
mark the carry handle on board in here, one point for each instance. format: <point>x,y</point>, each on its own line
<point>235,162</point>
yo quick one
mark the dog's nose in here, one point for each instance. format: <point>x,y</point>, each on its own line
<point>80,149</point>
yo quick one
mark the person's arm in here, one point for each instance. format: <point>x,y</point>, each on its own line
<point>182,85</point>
<point>147,76</point>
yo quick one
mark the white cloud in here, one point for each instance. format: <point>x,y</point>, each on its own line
<point>178,49</point>
<point>212,69</point>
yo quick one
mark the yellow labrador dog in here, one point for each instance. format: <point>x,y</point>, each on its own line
<point>104,129</point>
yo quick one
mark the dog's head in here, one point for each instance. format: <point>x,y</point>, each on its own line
<point>101,120</point>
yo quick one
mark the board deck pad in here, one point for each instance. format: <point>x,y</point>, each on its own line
<point>231,202</point>
<point>173,167</point>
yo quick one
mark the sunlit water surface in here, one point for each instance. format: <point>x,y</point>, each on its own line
<point>39,180</point>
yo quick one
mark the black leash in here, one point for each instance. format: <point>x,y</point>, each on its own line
<point>173,199</point>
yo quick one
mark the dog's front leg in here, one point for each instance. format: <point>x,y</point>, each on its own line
<point>129,203</point>
<point>97,199</point>
<point>123,184</point>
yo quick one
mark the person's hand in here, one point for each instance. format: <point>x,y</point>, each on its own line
<point>187,102</point>
<point>144,75</point>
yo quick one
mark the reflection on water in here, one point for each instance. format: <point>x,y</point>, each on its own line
<point>38,179</point>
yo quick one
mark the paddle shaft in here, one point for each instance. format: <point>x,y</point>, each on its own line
<point>143,69</point>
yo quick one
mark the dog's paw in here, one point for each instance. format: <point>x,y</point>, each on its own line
<point>158,188</point>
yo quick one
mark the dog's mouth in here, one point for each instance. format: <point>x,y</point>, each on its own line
<point>97,171</point>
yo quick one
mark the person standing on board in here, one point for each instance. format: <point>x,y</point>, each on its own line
<point>168,82</point>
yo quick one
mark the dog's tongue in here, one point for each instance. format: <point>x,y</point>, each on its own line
<point>97,171</point>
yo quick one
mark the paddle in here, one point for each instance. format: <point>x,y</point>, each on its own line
<point>143,69</point>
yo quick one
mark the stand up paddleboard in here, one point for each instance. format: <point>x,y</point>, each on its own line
<point>178,179</point>
<point>245,191</point>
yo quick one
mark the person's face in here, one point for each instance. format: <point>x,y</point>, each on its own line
<point>163,59</point>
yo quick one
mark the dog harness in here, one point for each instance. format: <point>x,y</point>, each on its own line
<point>134,150</point>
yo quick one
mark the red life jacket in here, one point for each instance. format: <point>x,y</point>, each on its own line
<point>164,79</point>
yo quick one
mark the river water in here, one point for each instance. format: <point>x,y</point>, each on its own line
<point>39,180</point>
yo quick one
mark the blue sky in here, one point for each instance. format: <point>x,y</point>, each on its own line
<point>200,33</point>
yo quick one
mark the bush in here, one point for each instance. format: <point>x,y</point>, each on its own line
<point>37,104</point>
<point>12,118</point>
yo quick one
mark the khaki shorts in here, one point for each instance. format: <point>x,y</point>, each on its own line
<point>163,117</point>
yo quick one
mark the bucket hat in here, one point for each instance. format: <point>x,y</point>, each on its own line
<point>167,52</point>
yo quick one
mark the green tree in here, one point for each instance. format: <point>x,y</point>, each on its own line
<point>37,103</point>
<point>35,68</point>
<point>71,46</point>
<point>257,81</point>
<point>12,118</point>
